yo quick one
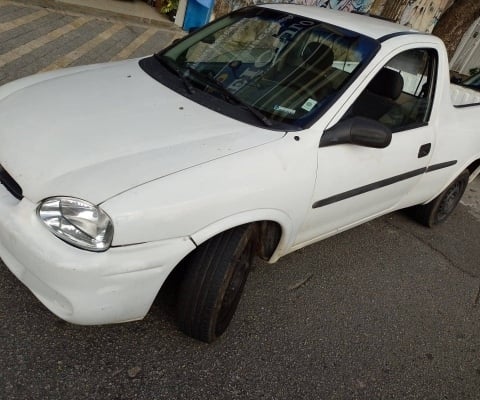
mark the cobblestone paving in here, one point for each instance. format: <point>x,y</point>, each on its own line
<point>35,39</point>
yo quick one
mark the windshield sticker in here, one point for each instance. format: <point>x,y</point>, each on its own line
<point>309,104</point>
<point>284,109</point>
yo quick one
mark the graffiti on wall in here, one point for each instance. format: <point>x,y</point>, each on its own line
<point>225,6</point>
<point>423,15</point>
<point>343,5</point>
<point>417,14</point>
<point>348,5</point>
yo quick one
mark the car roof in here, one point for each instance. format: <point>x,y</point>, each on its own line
<point>373,27</point>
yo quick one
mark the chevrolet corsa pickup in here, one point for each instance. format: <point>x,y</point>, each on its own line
<point>267,130</point>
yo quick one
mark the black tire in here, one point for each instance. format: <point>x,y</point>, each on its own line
<point>439,209</point>
<point>213,283</point>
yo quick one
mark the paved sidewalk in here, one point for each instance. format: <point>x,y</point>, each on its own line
<point>35,39</point>
<point>131,10</point>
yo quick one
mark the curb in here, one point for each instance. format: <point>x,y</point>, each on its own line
<point>62,6</point>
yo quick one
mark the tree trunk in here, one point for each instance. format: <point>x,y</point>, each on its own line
<point>389,9</point>
<point>377,7</point>
<point>455,22</point>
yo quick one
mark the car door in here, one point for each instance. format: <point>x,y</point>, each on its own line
<point>356,183</point>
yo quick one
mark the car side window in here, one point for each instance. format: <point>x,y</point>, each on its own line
<point>400,96</point>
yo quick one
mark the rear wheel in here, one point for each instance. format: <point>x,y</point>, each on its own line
<point>439,209</point>
<point>214,282</point>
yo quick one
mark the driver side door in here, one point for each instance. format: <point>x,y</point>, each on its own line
<point>357,183</point>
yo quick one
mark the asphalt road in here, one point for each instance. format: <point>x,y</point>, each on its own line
<point>389,310</point>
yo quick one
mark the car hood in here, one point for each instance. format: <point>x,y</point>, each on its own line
<point>94,132</point>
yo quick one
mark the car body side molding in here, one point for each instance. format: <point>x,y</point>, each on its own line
<point>380,184</point>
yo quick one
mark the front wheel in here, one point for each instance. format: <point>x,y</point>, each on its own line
<point>438,210</point>
<point>214,282</point>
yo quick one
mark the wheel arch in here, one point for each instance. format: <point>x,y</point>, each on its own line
<point>473,168</point>
<point>275,231</point>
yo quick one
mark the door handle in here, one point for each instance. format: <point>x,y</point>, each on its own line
<point>424,150</point>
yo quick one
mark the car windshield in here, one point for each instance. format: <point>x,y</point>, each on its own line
<point>283,68</point>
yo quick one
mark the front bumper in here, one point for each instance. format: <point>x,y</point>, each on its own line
<point>79,286</point>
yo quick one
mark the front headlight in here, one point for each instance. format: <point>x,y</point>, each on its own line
<point>77,222</point>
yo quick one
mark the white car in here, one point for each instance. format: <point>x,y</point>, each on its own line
<point>269,129</point>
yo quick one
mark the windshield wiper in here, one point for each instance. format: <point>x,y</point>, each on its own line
<point>172,66</point>
<point>212,82</point>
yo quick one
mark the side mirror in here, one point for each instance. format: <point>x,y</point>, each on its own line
<point>358,130</point>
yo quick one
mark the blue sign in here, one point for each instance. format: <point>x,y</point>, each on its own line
<point>197,14</point>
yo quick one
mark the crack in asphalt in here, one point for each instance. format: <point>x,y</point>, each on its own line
<point>476,300</point>
<point>433,248</point>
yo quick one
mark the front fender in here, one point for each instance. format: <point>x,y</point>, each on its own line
<point>271,182</point>
<point>246,217</point>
